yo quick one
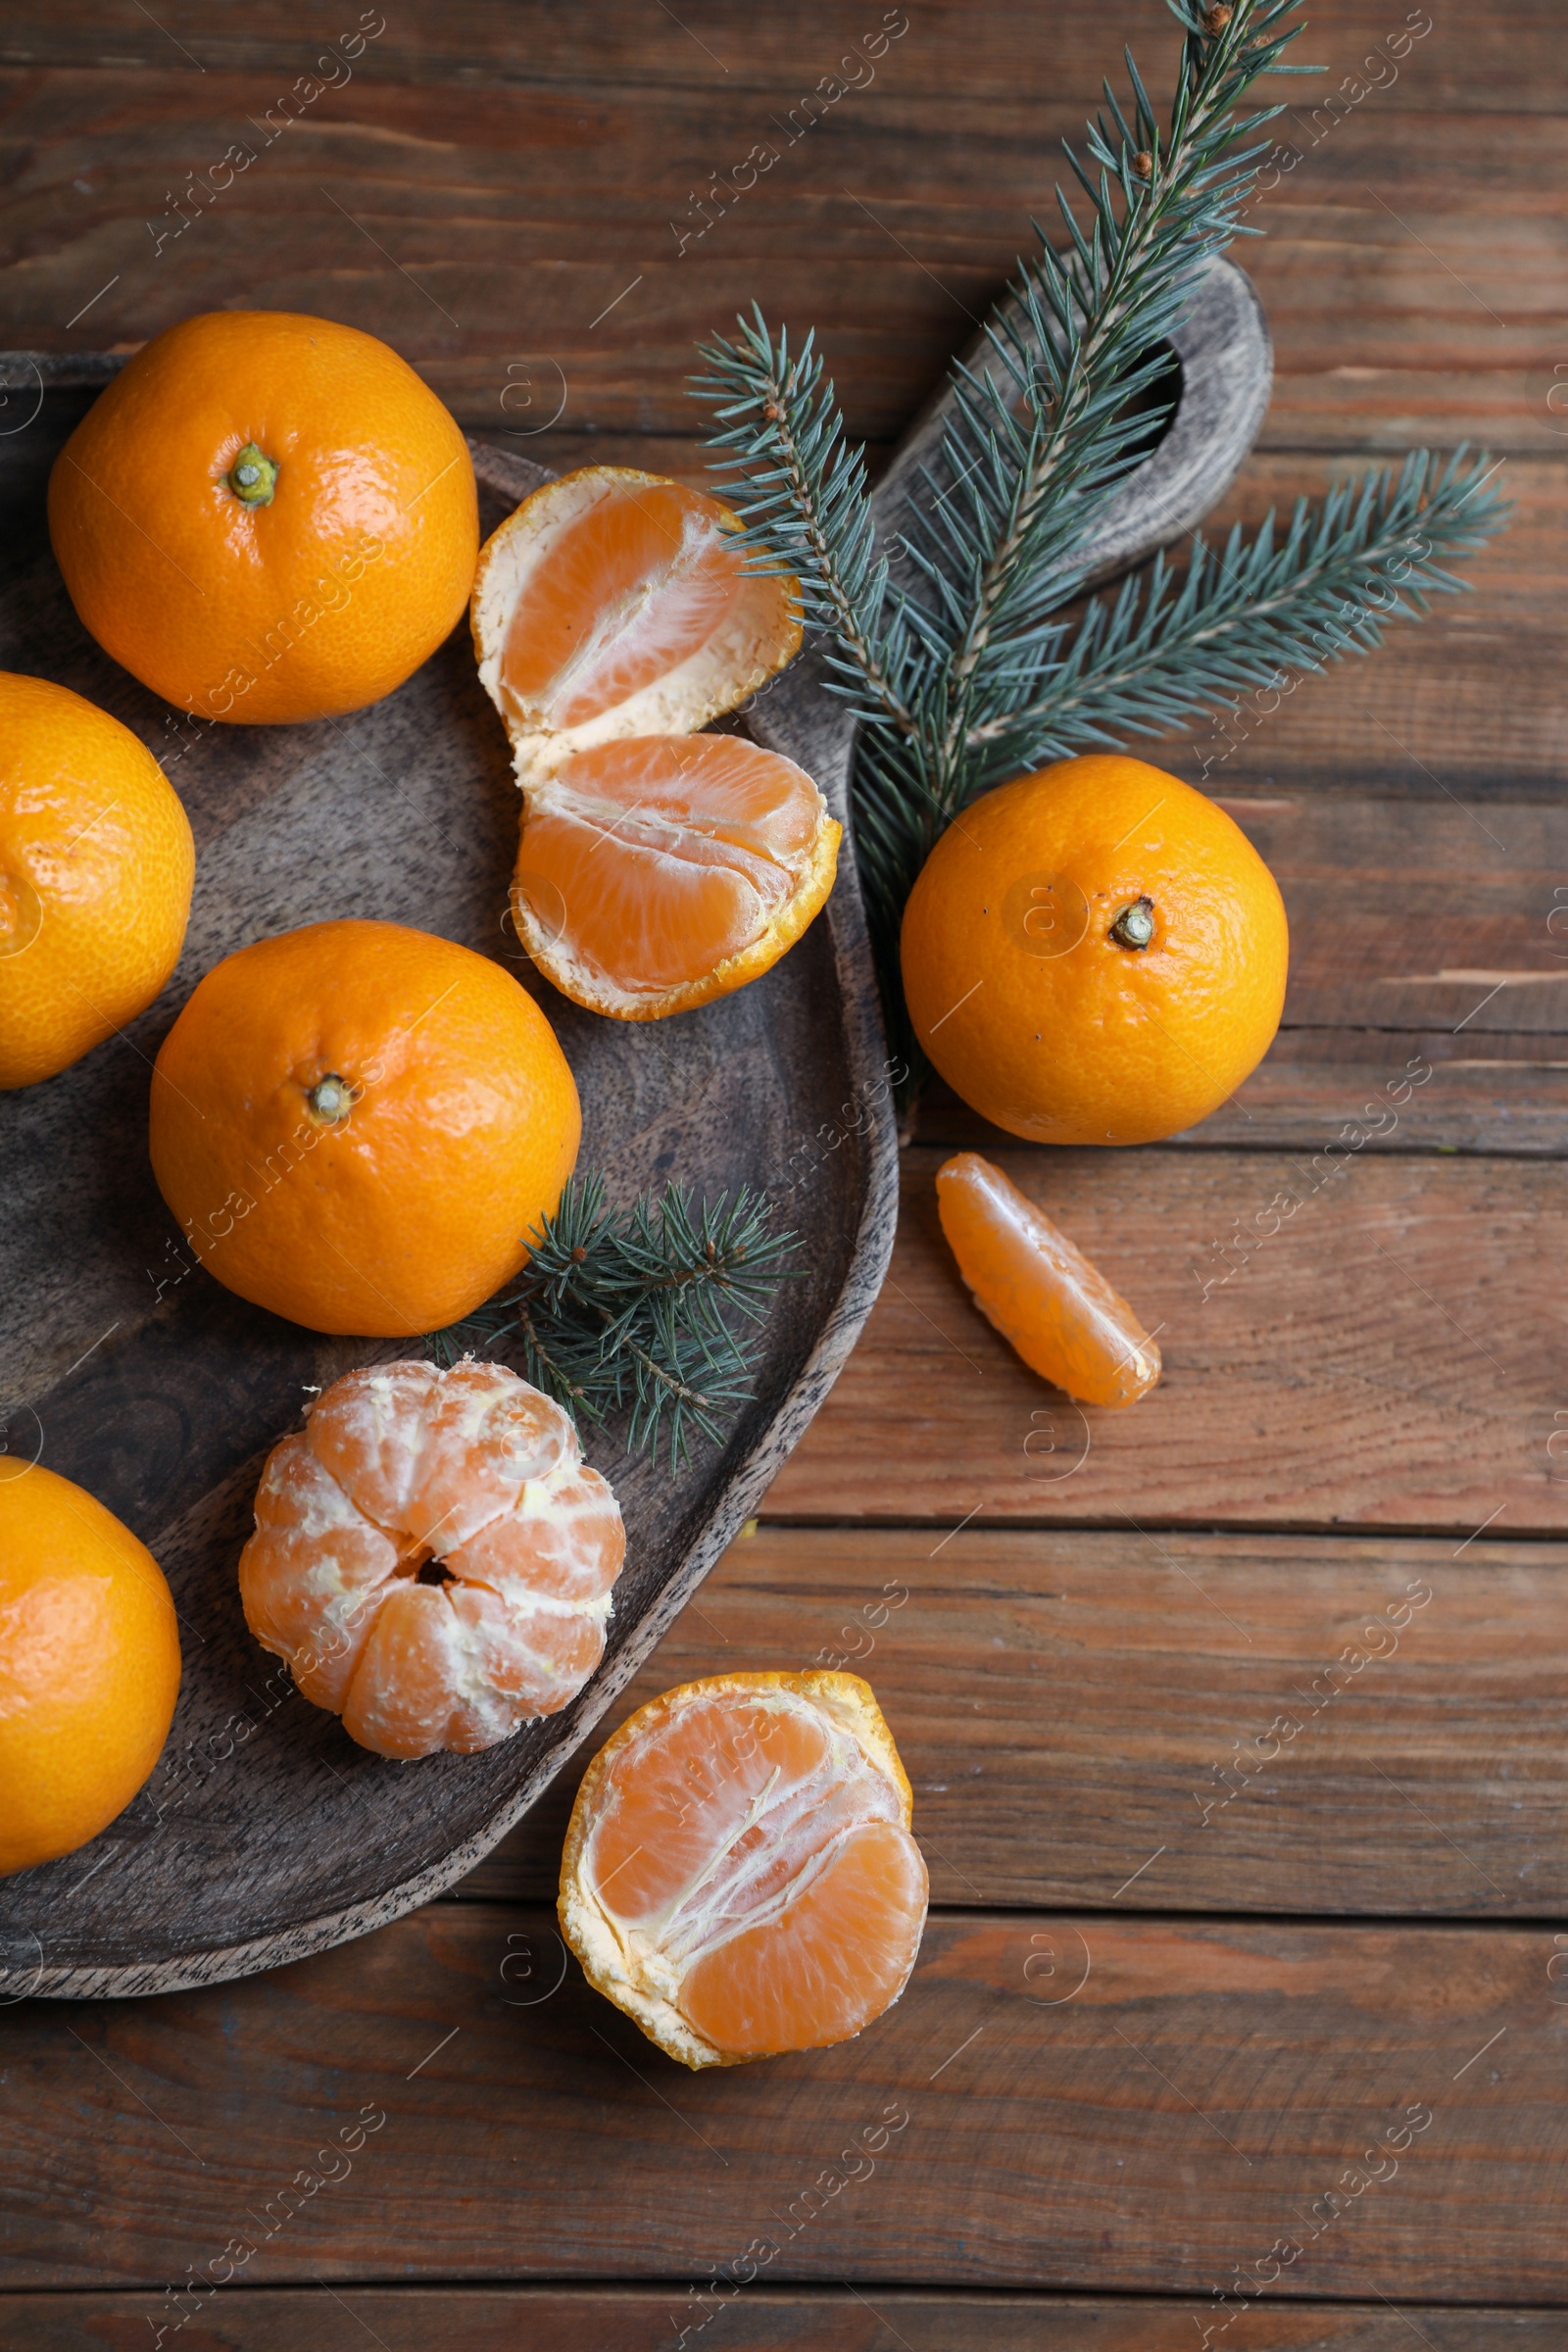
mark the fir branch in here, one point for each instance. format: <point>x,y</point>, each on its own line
<point>1031,451</point>
<point>958,650</point>
<point>1164,650</point>
<point>645,1307</point>
<point>1078,340</point>
<point>803,498</point>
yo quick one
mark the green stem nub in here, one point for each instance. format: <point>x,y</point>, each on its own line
<point>1133,927</point>
<point>330,1099</point>
<point>252,478</point>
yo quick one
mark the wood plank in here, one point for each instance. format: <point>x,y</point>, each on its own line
<point>1384,1357</point>
<point>1502,58</point>
<point>1504,1100</point>
<point>1188,2108</point>
<point>609,2318</point>
<point>1412,272</point>
<point>1187,1707</point>
<point>1460,712</point>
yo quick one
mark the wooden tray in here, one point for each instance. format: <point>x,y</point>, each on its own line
<point>265,1834</point>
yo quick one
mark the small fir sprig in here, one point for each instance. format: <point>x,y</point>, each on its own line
<point>954,647</point>
<point>1167,648</point>
<point>646,1308</point>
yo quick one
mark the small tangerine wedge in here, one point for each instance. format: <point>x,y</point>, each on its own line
<point>657,873</point>
<point>96,864</point>
<point>1049,1302</point>
<point>739,1874</point>
<point>611,604</point>
<point>89,1665</point>
<point>433,1557</point>
<point>358,1124</point>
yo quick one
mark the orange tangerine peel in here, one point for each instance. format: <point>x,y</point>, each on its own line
<point>1049,1302</point>
<point>659,869</point>
<point>739,1874</point>
<point>89,1665</point>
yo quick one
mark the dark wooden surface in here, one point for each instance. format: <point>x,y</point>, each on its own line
<point>792,2320</point>
<point>1367,1918</point>
<point>133,1372</point>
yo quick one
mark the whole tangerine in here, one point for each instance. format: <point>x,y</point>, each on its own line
<point>1094,954</point>
<point>89,1666</point>
<point>358,1126</point>
<point>96,861</point>
<point>267,516</point>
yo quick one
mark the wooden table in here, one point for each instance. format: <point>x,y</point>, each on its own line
<point>1185,1965</point>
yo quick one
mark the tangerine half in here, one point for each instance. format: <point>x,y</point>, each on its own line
<point>657,873</point>
<point>433,1557</point>
<point>612,603</point>
<point>739,1874</point>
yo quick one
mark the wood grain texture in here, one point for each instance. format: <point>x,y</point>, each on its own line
<point>1387,1355</point>
<point>1178,2114</point>
<point>1459,711</point>
<point>613,2319</point>
<point>526,185</point>
<point>1503,61</point>
<point>1413,276</point>
<point>1502,1100</point>
<point>1073,1707</point>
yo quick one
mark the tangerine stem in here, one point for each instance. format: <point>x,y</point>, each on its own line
<point>331,1098</point>
<point>1133,927</point>
<point>253,477</point>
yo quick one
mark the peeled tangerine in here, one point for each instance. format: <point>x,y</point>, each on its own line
<point>657,868</point>
<point>432,1556</point>
<point>1042,1295</point>
<point>739,1874</point>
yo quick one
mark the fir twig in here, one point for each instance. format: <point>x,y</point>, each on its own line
<point>958,654</point>
<point>805,500</point>
<point>646,1308</point>
<point>1166,648</point>
<point>1079,340</point>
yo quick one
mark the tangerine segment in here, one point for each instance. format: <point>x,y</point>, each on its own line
<point>657,873</point>
<point>854,1928</point>
<point>404,1474</point>
<point>739,1874</point>
<point>613,603</point>
<point>1041,1293</point>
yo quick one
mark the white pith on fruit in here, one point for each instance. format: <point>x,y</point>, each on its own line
<point>763,1834</point>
